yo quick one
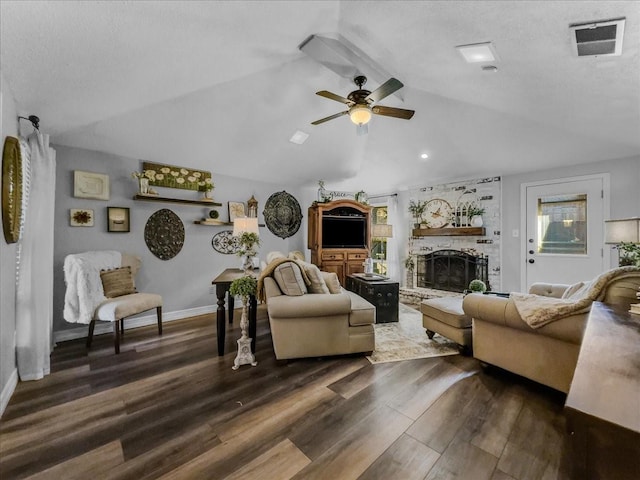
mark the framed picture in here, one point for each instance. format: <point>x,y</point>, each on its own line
<point>118,219</point>
<point>80,217</point>
<point>236,209</point>
<point>90,185</point>
<point>171,176</point>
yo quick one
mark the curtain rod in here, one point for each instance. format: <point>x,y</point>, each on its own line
<point>35,121</point>
<point>383,196</point>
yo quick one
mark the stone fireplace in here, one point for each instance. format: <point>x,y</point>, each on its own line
<point>451,270</point>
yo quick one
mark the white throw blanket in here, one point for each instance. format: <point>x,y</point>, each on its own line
<point>84,287</point>
<point>537,310</point>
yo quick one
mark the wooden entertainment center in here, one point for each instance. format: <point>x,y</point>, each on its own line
<point>339,236</point>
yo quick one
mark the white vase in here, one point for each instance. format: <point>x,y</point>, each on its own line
<point>144,185</point>
<point>476,221</point>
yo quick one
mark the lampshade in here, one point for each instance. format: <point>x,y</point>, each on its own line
<point>245,225</point>
<point>625,230</point>
<point>360,114</point>
<point>381,230</point>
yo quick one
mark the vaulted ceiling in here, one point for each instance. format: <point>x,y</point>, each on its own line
<point>222,86</point>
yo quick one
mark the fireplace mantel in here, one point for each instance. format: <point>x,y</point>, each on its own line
<point>453,231</point>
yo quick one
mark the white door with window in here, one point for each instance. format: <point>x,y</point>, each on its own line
<point>564,224</point>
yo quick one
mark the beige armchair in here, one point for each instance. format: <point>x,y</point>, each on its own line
<point>547,354</point>
<point>87,301</point>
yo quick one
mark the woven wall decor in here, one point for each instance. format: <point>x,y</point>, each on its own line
<point>11,189</point>
<point>282,214</point>
<point>164,234</point>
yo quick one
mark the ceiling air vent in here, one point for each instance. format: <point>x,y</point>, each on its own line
<point>598,38</point>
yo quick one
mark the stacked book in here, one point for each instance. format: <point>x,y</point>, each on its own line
<point>635,307</point>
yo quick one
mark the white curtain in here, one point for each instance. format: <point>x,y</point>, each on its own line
<point>393,265</point>
<point>34,292</point>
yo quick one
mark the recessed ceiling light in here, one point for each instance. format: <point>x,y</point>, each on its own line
<point>478,52</point>
<point>424,156</point>
<point>299,137</point>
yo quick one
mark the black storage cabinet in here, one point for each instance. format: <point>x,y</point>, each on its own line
<point>383,294</point>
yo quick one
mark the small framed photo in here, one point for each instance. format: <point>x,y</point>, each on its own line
<point>236,209</point>
<point>80,217</point>
<point>90,185</point>
<point>118,219</point>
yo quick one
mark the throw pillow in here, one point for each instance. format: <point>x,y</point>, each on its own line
<point>318,284</point>
<point>569,292</point>
<point>117,282</point>
<point>289,279</point>
<point>332,282</point>
<point>296,255</point>
<point>271,256</point>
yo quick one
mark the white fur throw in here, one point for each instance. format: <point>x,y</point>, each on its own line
<point>84,287</point>
<point>538,310</point>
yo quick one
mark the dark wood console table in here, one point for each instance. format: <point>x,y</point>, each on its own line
<point>603,404</point>
<point>223,283</point>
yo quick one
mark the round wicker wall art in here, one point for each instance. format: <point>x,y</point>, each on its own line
<point>282,214</point>
<point>164,234</point>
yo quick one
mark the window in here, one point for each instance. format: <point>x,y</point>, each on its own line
<point>562,224</point>
<point>380,232</point>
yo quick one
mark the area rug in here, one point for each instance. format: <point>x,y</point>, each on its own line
<point>407,340</point>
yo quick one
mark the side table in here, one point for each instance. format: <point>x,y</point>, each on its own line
<point>223,283</point>
<point>380,291</point>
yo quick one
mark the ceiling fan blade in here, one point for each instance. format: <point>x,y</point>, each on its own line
<point>326,119</point>
<point>393,112</point>
<point>333,96</point>
<point>384,90</point>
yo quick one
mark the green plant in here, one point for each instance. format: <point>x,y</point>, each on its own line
<point>475,210</point>
<point>247,242</point>
<point>417,208</point>
<point>629,253</point>
<point>477,286</point>
<point>409,264</point>
<point>244,287</point>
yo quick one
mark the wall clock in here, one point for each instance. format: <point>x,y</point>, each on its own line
<point>437,213</point>
<point>11,189</point>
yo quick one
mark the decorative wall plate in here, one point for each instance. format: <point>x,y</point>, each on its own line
<point>11,189</point>
<point>164,234</point>
<point>282,214</point>
<point>225,242</point>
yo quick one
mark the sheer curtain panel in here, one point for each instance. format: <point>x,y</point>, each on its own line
<point>34,292</point>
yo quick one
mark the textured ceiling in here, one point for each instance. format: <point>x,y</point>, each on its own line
<point>222,86</point>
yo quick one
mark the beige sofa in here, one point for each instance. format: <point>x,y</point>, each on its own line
<point>548,354</point>
<point>318,324</point>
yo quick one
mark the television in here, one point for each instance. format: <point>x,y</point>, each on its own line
<point>344,231</point>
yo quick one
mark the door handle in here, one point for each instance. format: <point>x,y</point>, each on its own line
<point>531,260</point>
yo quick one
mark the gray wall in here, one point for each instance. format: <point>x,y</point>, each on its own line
<point>184,281</point>
<point>9,127</point>
<point>624,196</point>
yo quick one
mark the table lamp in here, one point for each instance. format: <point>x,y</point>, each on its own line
<point>623,232</point>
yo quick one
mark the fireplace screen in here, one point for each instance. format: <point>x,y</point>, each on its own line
<point>451,270</point>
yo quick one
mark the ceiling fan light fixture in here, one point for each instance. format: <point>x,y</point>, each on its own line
<point>360,114</point>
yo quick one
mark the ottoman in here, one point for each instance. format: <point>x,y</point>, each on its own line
<point>446,317</point>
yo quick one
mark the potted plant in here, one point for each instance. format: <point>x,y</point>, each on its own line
<point>247,243</point>
<point>474,213</point>
<point>477,286</point>
<point>207,188</point>
<point>416,209</point>
<point>629,254</point>
<point>244,287</point>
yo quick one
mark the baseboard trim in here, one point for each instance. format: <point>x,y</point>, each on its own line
<point>8,390</point>
<point>106,327</point>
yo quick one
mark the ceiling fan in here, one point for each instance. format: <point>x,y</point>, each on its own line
<point>360,103</point>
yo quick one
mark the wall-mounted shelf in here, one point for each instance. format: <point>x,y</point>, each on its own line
<point>451,232</point>
<point>148,198</point>
<point>219,224</point>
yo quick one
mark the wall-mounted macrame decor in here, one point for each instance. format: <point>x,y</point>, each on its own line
<point>11,189</point>
<point>170,176</point>
<point>164,234</point>
<point>282,214</point>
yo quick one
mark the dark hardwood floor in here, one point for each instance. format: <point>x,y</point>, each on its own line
<point>168,407</point>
